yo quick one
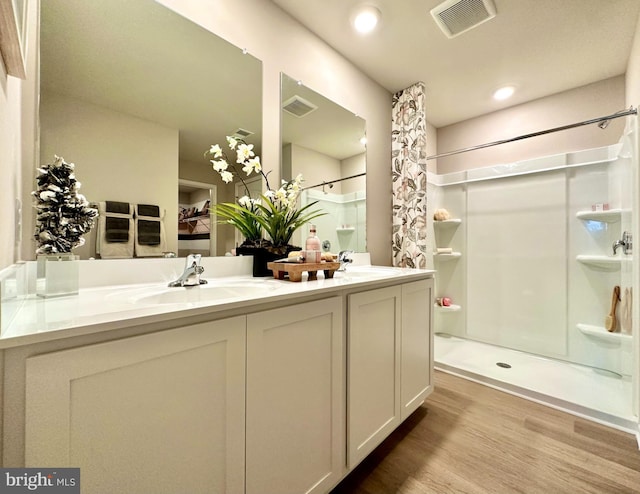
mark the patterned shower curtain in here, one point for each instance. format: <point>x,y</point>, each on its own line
<point>408,154</point>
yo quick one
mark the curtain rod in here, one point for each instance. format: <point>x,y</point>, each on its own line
<point>622,113</point>
<point>334,181</point>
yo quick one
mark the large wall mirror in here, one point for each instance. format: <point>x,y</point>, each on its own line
<point>134,94</point>
<point>326,143</point>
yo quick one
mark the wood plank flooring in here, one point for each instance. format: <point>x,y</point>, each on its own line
<point>469,438</point>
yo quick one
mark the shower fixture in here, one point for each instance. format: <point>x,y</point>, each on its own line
<point>324,184</point>
<point>626,243</point>
<point>604,124</point>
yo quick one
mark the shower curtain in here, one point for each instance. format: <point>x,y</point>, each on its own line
<point>409,176</point>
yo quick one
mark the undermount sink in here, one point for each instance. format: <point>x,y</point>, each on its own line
<point>210,292</point>
<point>367,272</point>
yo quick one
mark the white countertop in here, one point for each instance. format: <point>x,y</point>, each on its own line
<point>108,308</point>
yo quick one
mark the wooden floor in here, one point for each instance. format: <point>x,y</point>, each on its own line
<point>468,438</point>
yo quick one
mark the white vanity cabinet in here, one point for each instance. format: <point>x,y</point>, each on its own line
<point>416,353</point>
<point>265,397</point>
<point>162,413</point>
<point>295,398</point>
<point>389,359</point>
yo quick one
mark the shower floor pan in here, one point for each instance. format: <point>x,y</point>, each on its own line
<point>602,396</point>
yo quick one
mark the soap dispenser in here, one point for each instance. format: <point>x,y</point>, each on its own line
<point>313,244</point>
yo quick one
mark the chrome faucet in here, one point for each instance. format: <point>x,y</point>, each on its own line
<point>626,244</point>
<point>192,272</point>
<point>344,259</point>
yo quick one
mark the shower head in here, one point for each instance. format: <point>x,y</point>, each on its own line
<point>325,184</point>
<point>604,124</point>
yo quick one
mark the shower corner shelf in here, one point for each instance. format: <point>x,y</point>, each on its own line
<point>447,257</point>
<point>601,333</point>
<point>447,309</point>
<point>448,223</point>
<point>346,229</point>
<point>609,216</point>
<point>604,262</point>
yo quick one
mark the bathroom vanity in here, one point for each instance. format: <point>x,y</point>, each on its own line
<point>245,384</point>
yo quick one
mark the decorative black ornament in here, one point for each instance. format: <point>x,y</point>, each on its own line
<point>63,215</point>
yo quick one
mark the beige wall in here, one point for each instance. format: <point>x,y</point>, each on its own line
<point>266,32</point>
<point>583,103</point>
<point>633,72</point>
<point>353,166</point>
<point>118,157</point>
<point>315,167</point>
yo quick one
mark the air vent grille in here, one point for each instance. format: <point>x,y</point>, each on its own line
<point>458,16</point>
<point>298,106</point>
<point>241,134</point>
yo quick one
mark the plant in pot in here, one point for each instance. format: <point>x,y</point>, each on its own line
<point>275,215</point>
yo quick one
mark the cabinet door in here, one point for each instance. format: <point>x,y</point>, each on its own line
<point>295,398</point>
<point>416,372</point>
<point>162,412</point>
<point>373,370</point>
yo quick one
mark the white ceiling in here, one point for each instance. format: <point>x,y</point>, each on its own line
<point>142,59</point>
<point>540,46</point>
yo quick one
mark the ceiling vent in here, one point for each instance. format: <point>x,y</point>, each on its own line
<point>241,134</point>
<point>298,106</point>
<point>458,16</point>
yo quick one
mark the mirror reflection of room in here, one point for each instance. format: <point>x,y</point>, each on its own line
<point>116,102</point>
<point>326,143</point>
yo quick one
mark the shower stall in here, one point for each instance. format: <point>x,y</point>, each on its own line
<point>527,262</point>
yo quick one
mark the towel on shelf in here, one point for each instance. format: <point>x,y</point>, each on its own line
<point>115,230</point>
<point>149,231</point>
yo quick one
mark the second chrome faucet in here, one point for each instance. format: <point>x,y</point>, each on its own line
<point>626,243</point>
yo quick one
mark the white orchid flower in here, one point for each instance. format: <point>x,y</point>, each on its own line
<point>281,196</point>
<point>219,165</point>
<point>226,176</point>
<point>245,202</point>
<point>216,151</point>
<point>232,142</point>
<point>247,168</point>
<point>255,163</point>
<point>245,151</point>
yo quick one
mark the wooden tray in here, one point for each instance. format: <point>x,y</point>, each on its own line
<point>295,269</point>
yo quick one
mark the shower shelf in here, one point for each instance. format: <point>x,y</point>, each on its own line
<point>606,262</point>
<point>601,333</point>
<point>609,216</point>
<point>447,257</point>
<point>448,223</point>
<point>450,308</point>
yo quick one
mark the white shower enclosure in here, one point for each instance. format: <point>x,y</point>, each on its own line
<point>532,265</point>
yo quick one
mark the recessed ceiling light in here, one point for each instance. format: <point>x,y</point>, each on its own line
<point>366,19</point>
<point>504,93</point>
